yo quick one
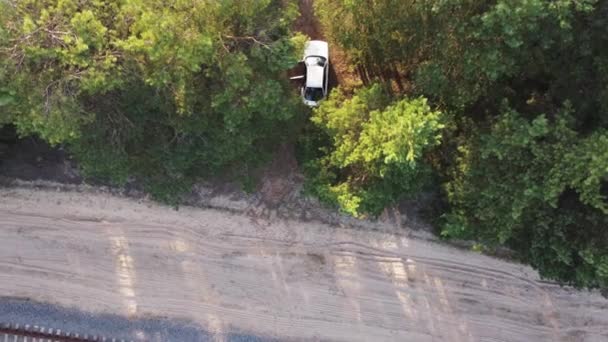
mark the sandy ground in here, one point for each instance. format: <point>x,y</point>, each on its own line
<point>284,279</point>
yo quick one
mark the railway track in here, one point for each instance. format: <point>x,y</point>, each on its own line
<point>10,332</point>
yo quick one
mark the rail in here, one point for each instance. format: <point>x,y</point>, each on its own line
<point>10,332</point>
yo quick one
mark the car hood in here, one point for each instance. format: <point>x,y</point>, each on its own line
<point>316,48</point>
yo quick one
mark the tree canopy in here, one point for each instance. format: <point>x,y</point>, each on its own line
<point>377,148</point>
<point>163,92</point>
<point>500,106</point>
<point>523,86</point>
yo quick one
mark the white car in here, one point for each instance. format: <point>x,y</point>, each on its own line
<point>316,60</point>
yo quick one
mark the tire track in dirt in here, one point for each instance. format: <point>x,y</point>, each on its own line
<point>287,279</point>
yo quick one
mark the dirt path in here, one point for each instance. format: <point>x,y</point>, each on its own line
<point>284,279</point>
<point>341,72</point>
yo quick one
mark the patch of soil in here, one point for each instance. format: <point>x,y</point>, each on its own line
<point>288,280</point>
<point>281,177</point>
<point>307,22</point>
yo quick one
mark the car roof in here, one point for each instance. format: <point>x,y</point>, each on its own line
<point>314,76</point>
<point>316,48</point>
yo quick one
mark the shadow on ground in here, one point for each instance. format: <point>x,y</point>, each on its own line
<point>23,311</point>
<point>31,159</point>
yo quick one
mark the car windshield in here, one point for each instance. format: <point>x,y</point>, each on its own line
<point>315,61</point>
<point>313,94</point>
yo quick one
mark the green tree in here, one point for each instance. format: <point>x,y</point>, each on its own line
<point>531,175</point>
<point>391,40</point>
<point>166,93</point>
<point>377,149</point>
<point>535,186</point>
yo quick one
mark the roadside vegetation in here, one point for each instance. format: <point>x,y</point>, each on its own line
<point>500,106</point>
<point>523,88</point>
<point>164,93</point>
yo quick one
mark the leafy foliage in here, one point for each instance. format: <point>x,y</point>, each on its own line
<point>536,182</point>
<point>523,157</point>
<point>141,88</point>
<point>377,149</point>
<point>524,184</point>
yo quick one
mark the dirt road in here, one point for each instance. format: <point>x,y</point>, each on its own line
<point>282,279</point>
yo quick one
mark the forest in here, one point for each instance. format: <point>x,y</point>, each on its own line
<point>500,107</point>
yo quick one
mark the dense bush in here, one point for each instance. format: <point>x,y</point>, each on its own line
<point>533,185</point>
<point>376,150</point>
<point>141,88</point>
<point>524,160</point>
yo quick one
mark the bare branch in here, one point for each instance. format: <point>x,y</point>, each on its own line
<point>250,38</point>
